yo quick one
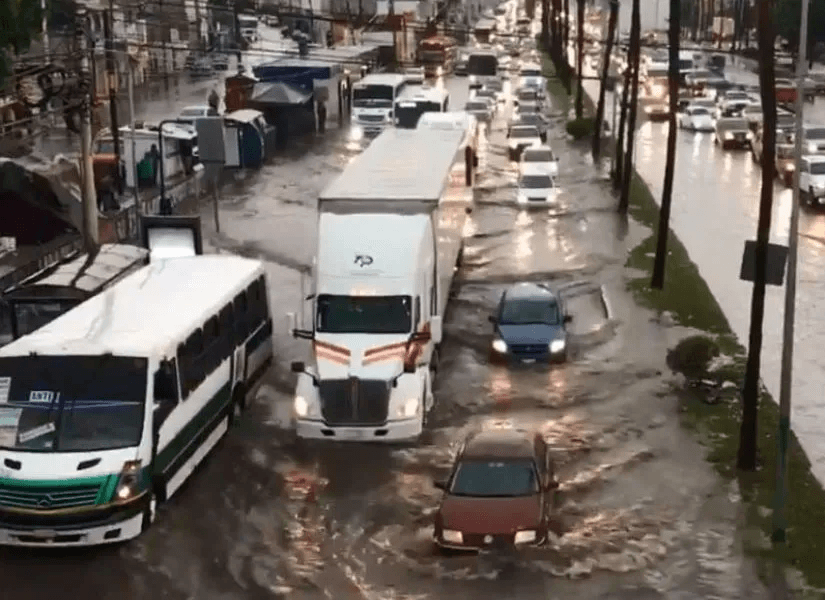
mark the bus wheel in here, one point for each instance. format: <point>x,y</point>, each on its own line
<point>149,512</point>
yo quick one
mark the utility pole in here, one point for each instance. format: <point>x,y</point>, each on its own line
<point>786,376</point>
<point>164,28</point>
<point>45,27</point>
<point>199,45</point>
<point>391,11</point>
<point>111,64</point>
<point>89,194</point>
<point>132,133</point>
<point>237,32</point>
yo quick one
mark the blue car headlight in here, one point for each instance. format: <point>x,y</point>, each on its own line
<point>557,346</point>
<point>500,346</point>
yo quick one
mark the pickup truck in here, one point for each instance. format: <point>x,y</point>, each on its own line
<point>812,179</point>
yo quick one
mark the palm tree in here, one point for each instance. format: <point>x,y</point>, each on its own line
<point>657,281</point>
<point>635,52</point>
<point>746,459</point>
<point>611,34</point>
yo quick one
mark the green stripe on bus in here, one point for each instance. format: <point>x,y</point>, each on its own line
<point>53,483</point>
<point>181,447</point>
<point>107,490</point>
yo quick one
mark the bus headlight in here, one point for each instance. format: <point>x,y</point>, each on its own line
<point>500,346</point>
<point>409,408</point>
<point>301,406</point>
<point>525,537</point>
<point>128,484</point>
<point>356,133</point>
<point>557,346</point>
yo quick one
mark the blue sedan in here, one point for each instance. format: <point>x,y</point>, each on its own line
<point>529,325</point>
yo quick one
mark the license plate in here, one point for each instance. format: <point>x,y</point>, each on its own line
<point>43,534</point>
<point>528,361</point>
<point>359,434</point>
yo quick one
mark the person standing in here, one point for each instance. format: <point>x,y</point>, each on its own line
<point>322,117</point>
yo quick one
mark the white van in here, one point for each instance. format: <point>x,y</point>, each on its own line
<point>108,409</point>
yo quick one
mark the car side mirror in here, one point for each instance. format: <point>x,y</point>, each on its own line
<point>440,484</point>
<point>568,318</point>
<point>297,367</point>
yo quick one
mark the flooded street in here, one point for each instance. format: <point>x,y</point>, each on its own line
<point>639,513</point>
<point>715,209</point>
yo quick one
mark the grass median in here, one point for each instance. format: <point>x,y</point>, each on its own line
<point>687,297</point>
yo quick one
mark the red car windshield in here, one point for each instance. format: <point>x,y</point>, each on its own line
<point>499,478</point>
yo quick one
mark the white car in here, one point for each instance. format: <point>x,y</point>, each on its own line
<point>520,137</point>
<point>414,75</point>
<point>539,159</point>
<point>536,189</point>
<point>481,109</point>
<point>696,118</point>
<point>812,179</point>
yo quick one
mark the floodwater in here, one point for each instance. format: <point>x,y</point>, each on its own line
<point>715,209</point>
<point>639,513</point>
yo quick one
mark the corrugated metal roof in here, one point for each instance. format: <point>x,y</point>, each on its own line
<point>400,164</point>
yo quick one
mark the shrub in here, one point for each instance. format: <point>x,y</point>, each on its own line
<point>692,356</point>
<point>580,128</point>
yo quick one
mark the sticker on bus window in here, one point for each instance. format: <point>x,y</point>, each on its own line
<point>9,420</point>
<point>31,434</point>
<point>41,397</point>
<point>5,386</point>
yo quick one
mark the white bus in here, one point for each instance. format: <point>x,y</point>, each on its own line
<point>108,409</point>
<point>417,100</point>
<point>373,102</point>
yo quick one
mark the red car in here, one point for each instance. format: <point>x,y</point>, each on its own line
<point>499,493</point>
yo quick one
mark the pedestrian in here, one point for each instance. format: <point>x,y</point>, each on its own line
<point>214,100</point>
<point>322,117</point>
<point>154,157</point>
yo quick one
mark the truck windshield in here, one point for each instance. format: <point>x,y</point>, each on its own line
<point>71,403</point>
<point>818,168</point>
<point>375,96</point>
<point>364,314</point>
<point>31,316</point>
<point>815,134</point>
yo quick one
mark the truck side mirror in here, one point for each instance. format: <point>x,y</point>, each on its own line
<point>440,484</point>
<point>436,329</point>
<point>568,318</point>
<point>409,367</point>
<point>291,321</point>
<point>297,367</point>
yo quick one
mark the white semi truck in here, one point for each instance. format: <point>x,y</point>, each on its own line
<point>390,233</point>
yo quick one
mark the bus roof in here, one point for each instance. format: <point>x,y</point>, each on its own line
<point>147,313</point>
<point>392,79</point>
<point>427,93</point>
<point>484,52</point>
<point>449,120</point>
<point>385,172</point>
<point>439,40</point>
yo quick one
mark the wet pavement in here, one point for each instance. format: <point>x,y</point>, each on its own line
<point>639,514</point>
<point>715,209</point>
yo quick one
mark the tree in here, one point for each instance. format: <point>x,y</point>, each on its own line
<point>657,280</point>
<point>746,459</point>
<point>788,16</point>
<point>22,22</point>
<point>565,53</point>
<point>617,174</point>
<point>580,58</point>
<point>611,34</point>
<point>635,52</point>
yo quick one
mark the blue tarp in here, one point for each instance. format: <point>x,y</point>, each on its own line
<point>301,76</point>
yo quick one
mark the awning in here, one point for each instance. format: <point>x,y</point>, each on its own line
<point>51,185</point>
<point>278,93</point>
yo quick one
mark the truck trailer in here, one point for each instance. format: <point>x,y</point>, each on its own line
<point>390,234</point>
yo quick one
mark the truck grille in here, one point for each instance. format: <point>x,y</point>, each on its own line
<point>476,540</point>
<point>536,199</point>
<point>354,401</point>
<point>48,498</point>
<point>528,349</point>
<point>371,118</point>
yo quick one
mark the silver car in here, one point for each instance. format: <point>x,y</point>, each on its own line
<point>480,108</point>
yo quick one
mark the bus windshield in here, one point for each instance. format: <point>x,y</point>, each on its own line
<point>364,314</point>
<point>31,316</point>
<point>374,96</point>
<point>432,56</point>
<point>71,403</point>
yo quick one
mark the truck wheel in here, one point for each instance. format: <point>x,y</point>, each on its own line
<point>149,512</point>
<point>237,405</point>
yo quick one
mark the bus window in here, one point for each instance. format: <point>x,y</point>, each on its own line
<point>194,363</point>
<point>211,344</point>
<point>166,383</point>
<point>227,326</point>
<point>241,310</point>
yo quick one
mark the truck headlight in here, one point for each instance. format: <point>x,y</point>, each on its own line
<point>790,167</point>
<point>409,408</point>
<point>812,147</point>
<point>500,346</point>
<point>728,135</point>
<point>521,199</point>
<point>525,537</point>
<point>356,133</point>
<point>452,536</point>
<point>557,346</point>
<point>301,406</point>
<point>128,484</point>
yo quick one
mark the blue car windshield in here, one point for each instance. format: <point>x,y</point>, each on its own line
<point>529,312</point>
<point>495,479</point>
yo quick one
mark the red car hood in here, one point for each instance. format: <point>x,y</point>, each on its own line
<point>491,515</point>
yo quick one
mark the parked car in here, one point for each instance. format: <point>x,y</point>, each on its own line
<point>696,118</point>
<point>540,159</point>
<point>520,137</point>
<point>530,321</point>
<point>480,108</point>
<point>732,132</point>
<point>812,179</point>
<point>499,492</point>
<point>538,120</point>
<point>535,188</point>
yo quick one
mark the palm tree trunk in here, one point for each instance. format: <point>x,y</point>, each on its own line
<point>746,459</point>
<point>635,50</point>
<point>611,34</point>
<point>657,281</point>
<point>617,175</point>
<point>565,54</point>
<point>580,58</point>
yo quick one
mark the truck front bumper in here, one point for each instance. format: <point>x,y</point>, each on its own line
<point>391,431</point>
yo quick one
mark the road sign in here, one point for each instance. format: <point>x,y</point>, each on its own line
<point>777,257</point>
